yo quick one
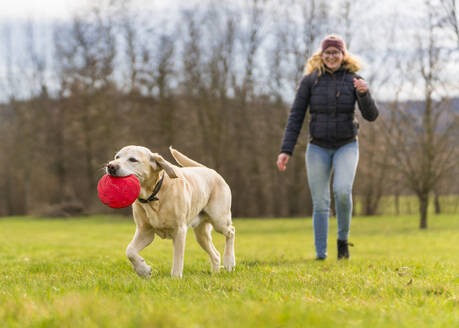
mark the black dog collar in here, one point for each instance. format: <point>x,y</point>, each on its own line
<point>155,192</point>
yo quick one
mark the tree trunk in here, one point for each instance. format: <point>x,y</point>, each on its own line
<point>60,154</point>
<point>88,158</point>
<point>25,198</point>
<point>370,203</point>
<point>167,114</point>
<point>296,203</point>
<point>9,193</point>
<point>423,207</point>
<point>354,211</point>
<point>437,204</point>
<point>397,203</point>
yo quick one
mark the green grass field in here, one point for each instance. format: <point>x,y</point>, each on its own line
<point>73,273</point>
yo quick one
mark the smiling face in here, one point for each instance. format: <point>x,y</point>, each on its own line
<point>332,58</point>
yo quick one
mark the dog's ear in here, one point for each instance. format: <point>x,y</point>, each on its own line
<point>157,160</point>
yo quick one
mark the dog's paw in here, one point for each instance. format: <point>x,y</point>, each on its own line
<point>143,270</point>
<point>216,264</point>
<point>229,262</point>
<point>176,274</point>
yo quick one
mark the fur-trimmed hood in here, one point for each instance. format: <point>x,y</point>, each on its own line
<point>350,63</point>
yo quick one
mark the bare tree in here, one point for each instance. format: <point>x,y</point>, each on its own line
<point>450,19</point>
<point>86,57</point>
<point>420,137</point>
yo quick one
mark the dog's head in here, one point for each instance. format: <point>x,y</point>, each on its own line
<point>139,161</point>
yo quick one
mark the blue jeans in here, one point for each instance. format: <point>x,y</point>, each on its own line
<point>319,164</point>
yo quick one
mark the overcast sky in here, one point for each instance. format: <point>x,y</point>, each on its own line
<point>47,11</point>
<point>43,10</point>
<point>62,9</point>
<point>38,9</point>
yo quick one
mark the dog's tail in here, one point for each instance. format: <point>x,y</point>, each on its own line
<point>183,160</point>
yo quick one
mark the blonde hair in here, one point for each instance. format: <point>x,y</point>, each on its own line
<point>315,62</point>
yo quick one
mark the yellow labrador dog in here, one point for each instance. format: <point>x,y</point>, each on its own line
<point>172,199</point>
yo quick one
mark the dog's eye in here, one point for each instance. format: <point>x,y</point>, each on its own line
<point>117,156</point>
<point>132,159</point>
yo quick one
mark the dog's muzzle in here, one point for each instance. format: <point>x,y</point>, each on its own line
<point>112,168</point>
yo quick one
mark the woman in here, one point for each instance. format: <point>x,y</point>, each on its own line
<point>330,89</point>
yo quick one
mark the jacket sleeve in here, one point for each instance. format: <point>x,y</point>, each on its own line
<point>296,116</point>
<point>367,105</point>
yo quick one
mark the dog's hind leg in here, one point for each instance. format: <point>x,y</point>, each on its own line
<point>179,251</point>
<point>224,226</point>
<point>204,238</point>
<point>142,238</point>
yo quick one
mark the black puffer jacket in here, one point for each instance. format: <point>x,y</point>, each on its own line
<point>331,99</point>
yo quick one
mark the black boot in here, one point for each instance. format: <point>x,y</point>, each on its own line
<point>343,250</point>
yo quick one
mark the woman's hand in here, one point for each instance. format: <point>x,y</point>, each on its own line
<point>361,85</point>
<point>282,160</point>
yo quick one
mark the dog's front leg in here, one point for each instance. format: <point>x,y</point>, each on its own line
<point>142,239</point>
<point>179,251</point>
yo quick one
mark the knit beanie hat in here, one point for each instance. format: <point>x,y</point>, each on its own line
<point>337,43</point>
